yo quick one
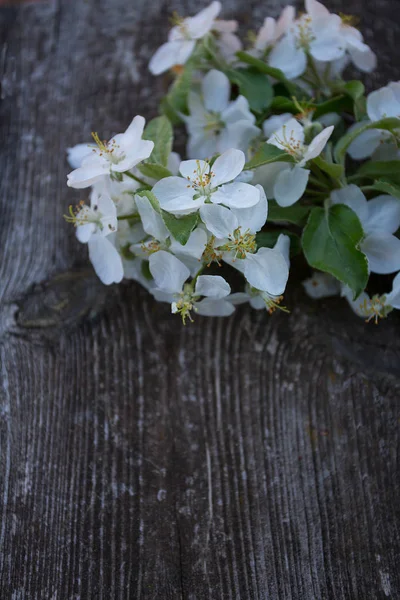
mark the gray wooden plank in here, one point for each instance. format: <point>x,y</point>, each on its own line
<point>242,458</point>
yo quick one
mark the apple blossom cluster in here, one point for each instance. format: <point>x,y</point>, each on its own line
<point>286,162</point>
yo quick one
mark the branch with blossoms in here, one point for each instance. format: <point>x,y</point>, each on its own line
<point>284,156</point>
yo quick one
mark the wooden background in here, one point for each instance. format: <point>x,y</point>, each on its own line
<point>246,458</point>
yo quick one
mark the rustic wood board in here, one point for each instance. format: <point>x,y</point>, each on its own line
<point>248,458</point>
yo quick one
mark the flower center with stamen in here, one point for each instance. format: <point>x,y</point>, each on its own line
<point>210,253</point>
<point>214,123</point>
<point>83,214</point>
<point>375,308</point>
<point>291,145</point>
<point>185,303</point>
<point>304,33</point>
<point>349,20</point>
<point>108,149</point>
<point>151,247</point>
<point>201,180</point>
<point>240,243</point>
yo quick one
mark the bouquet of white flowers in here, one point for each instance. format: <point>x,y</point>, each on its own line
<point>283,156</point>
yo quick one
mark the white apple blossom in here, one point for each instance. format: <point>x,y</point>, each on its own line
<point>215,124</point>
<point>321,285</point>
<point>380,104</point>
<point>375,307</point>
<point>227,42</point>
<point>170,276</point>
<point>123,152</point>
<point>182,39</point>
<point>326,37</point>
<point>287,182</point>
<point>201,183</point>
<point>380,218</point>
<point>272,30</point>
<point>96,225</point>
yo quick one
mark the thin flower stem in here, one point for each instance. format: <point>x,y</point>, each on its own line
<point>131,217</point>
<point>141,181</point>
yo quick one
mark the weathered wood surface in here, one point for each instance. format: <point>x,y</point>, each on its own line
<point>248,458</point>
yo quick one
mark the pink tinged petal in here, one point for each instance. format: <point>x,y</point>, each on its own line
<point>383,214</point>
<point>318,144</point>
<point>275,123</point>
<point>199,25</point>
<point>291,132</point>
<point>170,54</point>
<point>106,260</point>
<point>168,272</point>
<point>316,9</point>
<point>254,217</point>
<point>288,58</point>
<point>227,167</point>
<point>383,252</point>
<point>216,91</point>
<point>194,246</point>
<point>220,221</point>
<point>282,245</point>
<point>285,21</point>
<point>212,286</point>
<point>84,232</point>
<point>190,169</point>
<point>78,153</point>
<point>352,197</point>
<point>175,194</point>
<point>291,185</point>
<point>87,175</point>
<point>152,221</point>
<point>381,104</point>
<point>237,195</point>
<point>366,143</point>
<point>208,307</point>
<point>267,271</point>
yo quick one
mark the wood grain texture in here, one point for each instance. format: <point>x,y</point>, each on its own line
<point>247,458</point>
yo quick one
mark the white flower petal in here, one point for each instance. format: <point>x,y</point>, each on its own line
<point>267,271</point>
<point>78,153</point>
<point>169,273</point>
<point>275,123</point>
<point>316,9</point>
<point>152,221</point>
<point>238,135</point>
<point>238,110</point>
<point>382,103</point>
<point>382,251</point>
<point>220,221</point>
<point>321,285</point>
<point>318,144</point>
<point>208,307</point>
<point>393,299</point>
<point>237,195</point>
<point>85,232</point>
<point>352,196</point>
<point>216,91</point>
<point>194,246</point>
<point>383,214</point>
<point>238,298</point>
<point>87,175</point>
<point>190,169</point>
<point>365,60</point>
<point>212,286</point>
<point>288,58</point>
<point>199,25</point>
<point>282,245</point>
<point>175,196</point>
<point>227,166</point>
<point>328,47</point>
<point>106,260</point>
<point>268,174</point>
<point>170,54</point>
<point>290,185</point>
<point>253,218</point>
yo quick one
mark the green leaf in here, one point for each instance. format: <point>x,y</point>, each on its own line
<point>333,170</point>
<point>338,104</point>
<point>180,227</point>
<point>152,199</point>
<point>262,67</point>
<point>389,124</point>
<point>355,90</point>
<point>387,187</point>
<point>175,101</point>
<point>283,104</point>
<point>296,214</point>
<point>159,131</point>
<point>267,239</point>
<point>381,168</point>
<point>330,243</point>
<point>267,154</point>
<point>254,86</point>
<point>154,171</point>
